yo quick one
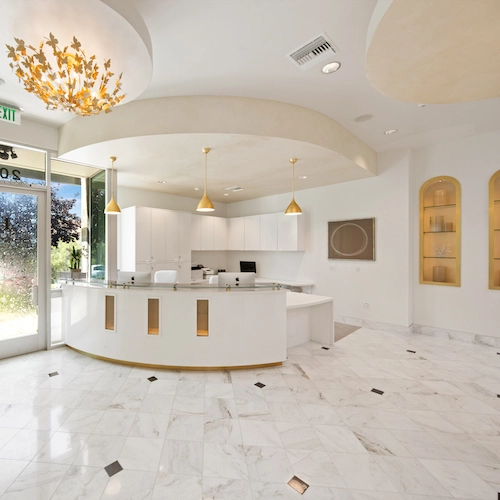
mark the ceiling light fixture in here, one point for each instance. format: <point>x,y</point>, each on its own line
<point>162,182</point>
<point>391,131</point>
<point>112,207</point>
<point>205,205</point>
<point>74,84</point>
<point>293,208</point>
<point>225,194</point>
<point>421,105</point>
<point>303,177</point>
<point>5,151</point>
<point>330,67</point>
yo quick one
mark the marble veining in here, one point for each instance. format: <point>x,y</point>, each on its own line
<point>434,433</point>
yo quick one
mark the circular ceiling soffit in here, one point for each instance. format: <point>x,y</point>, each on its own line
<point>109,32</point>
<point>435,52</point>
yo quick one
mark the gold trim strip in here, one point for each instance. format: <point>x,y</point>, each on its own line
<point>169,367</point>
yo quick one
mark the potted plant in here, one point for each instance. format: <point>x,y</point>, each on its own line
<point>75,258</point>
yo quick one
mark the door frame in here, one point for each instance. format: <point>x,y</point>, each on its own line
<point>31,343</point>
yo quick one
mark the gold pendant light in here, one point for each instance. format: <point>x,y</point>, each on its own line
<point>293,208</point>
<point>205,205</point>
<point>112,207</point>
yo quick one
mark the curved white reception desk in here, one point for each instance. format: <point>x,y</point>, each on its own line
<point>187,327</point>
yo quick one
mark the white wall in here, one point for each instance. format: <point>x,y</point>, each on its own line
<point>30,133</point>
<point>129,197</point>
<point>385,283</point>
<point>472,308</point>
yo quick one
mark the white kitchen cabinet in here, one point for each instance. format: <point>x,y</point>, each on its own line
<point>220,233</point>
<point>269,232</point>
<point>195,232</point>
<point>206,232</point>
<point>236,233</point>
<point>158,235</point>
<point>135,237</point>
<point>291,232</point>
<point>171,224</point>
<point>252,232</point>
<point>184,233</point>
<point>142,234</point>
<point>153,239</point>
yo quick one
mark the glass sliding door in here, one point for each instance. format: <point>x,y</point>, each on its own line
<point>22,276</point>
<point>97,226</point>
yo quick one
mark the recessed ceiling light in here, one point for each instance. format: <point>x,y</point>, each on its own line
<point>225,194</point>
<point>234,189</point>
<point>391,131</point>
<point>421,105</point>
<point>21,109</point>
<point>196,189</point>
<point>330,67</point>
<point>303,177</point>
<point>163,182</point>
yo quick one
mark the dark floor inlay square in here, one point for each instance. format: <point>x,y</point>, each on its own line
<point>152,379</point>
<point>298,485</point>
<point>377,391</point>
<point>113,468</point>
<point>53,374</point>
<point>260,385</point>
<point>408,350</point>
<point>498,395</point>
<point>326,348</point>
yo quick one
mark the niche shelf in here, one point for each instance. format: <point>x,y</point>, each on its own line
<point>494,236</point>
<point>440,232</point>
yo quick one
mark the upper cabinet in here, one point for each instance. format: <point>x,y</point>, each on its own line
<point>494,236</point>
<point>268,232</point>
<point>291,232</point>
<point>220,233</point>
<point>252,232</point>
<point>153,235</point>
<point>208,232</point>
<point>236,230</point>
<point>440,232</point>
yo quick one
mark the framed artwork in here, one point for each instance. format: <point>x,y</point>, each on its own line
<point>351,239</point>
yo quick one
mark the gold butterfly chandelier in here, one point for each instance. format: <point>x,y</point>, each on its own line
<point>72,84</point>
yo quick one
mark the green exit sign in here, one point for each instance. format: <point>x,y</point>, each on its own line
<point>10,115</point>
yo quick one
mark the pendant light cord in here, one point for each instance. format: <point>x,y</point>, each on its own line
<point>113,179</point>
<point>205,190</point>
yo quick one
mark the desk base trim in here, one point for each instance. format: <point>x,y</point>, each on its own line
<point>170,367</point>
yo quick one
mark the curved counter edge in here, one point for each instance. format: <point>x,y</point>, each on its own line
<point>168,367</point>
<point>246,328</point>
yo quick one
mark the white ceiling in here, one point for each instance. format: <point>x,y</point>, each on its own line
<point>239,48</point>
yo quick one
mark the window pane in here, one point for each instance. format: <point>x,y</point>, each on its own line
<point>97,226</point>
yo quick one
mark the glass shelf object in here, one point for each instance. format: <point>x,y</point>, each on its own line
<point>440,232</point>
<point>494,232</point>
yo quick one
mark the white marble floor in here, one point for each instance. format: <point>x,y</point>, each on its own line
<point>434,433</point>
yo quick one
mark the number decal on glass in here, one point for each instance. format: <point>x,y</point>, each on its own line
<point>5,174</point>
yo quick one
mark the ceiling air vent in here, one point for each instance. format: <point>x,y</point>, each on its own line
<point>234,189</point>
<point>316,50</point>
